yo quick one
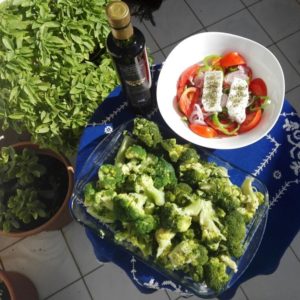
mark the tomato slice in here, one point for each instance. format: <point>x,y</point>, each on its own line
<point>232,59</point>
<point>203,130</point>
<point>258,87</point>
<point>188,99</point>
<point>184,78</point>
<point>252,119</point>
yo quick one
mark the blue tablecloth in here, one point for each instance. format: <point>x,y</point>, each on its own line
<point>275,160</point>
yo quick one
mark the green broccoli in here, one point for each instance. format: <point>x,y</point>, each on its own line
<point>235,231</point>
<point>100,203</point>
<point>163,238</point>
<point>222,193</point>
<point>229,262</point>
<point>174,218</point>
<point>126,142</point>
<point>193,173</point>
<point>147,132</point>
<point>210,223</point>
<point>143,243</point>
<point>251,201</point>
<point>110,176</point>
<point>173,149</point>
<point>188,252</point>
<point>145,224</point>
<point>215,273</point>
<point>145,185</point>
<point>135,152</point>
<point>164,174</point>
<point>190,155</point>
<point>129,207</point>
<point>180,194</point>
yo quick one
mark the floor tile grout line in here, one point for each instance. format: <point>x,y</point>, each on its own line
<point>290,90</point>
<point>12,244</point>
<point>298,258</point>
<point>194,13</point>
<point>167,294</point>
<point>81,275</point>
<point>63,288</point>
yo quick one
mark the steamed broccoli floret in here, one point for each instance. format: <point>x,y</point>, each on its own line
<point>174,150</point>
<point>193,173</point>
<point>174,218</point>
<point>223,193</point>
<point>229,262</point>
<point>235,231</point>
<point>136,152</point>
<point>163,238</point>
<point>251,201</point>
<point>126,142</point>
<point>215,274</point>
<point>147,132</point>
<point>110,176</point>
<point>143,243</point>
<point>100,204</point>
<point>180,194</point>
<point>164,174</point>
<point>210,223</point>
<point>129,207</point>
<point>145,184</point>
<point>190,155</point>
<point>188,252</point>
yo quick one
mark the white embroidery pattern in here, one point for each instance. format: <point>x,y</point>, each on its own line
<point>277,174</point>
<point>268,158</point>
<point>108,129</point>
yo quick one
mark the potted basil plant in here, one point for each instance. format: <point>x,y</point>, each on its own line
<point>35,186</point>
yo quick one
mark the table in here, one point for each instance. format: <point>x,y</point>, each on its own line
<point>275,160</point>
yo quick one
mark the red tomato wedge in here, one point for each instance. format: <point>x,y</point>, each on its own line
<point>232,59</point>
<point>188,99</point>
<point>252,119</point>
<point>184,78</point>
<point>203,130</point>
<point>258,87</point>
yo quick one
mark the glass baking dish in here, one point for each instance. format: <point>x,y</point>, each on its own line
<point>105,152</point>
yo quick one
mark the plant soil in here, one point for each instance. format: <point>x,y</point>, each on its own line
<point>4,294</point>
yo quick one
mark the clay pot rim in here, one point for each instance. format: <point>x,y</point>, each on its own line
<point>65,202</point>
<point>4,277</point>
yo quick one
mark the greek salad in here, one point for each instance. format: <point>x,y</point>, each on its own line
<point>219,96</point>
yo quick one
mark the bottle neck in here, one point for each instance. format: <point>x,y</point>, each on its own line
<point>123,34</point>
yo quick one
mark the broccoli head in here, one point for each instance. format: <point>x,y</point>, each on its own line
<point>110,176</point>
<point>193,173</point>
<point>100,204</point>
<point>142,243</point>
<point>188,252</point>
<point>164,174</point>
<point>126,142</point>
<point>147,132</point>
<point>174,218</point>
<point>180,194</point>
<point>235,231</point>
<point>190,155</point>
<point>129,207</point>
<point>251,201</point>
<point>215,274</point>
<point>135,152</point>
<point>145,224</point>
<point>145,185</point>
<point>210,223</point>
<point>163,238</point>
<point>173,149</point>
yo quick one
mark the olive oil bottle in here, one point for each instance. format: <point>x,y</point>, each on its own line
<point>126,46</point>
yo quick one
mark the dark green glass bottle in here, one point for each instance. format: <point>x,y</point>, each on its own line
<point>126,46</point>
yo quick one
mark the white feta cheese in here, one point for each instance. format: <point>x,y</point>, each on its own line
<point>238,100</point>
<point>212,91</point>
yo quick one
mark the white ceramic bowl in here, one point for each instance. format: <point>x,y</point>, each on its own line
<point>192,50</point>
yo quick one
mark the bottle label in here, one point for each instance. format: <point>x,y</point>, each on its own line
<point>136,79</point>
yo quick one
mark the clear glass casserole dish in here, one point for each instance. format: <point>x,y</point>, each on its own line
<point>106,151</point>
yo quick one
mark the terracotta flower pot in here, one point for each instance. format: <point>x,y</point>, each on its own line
<point>19,286</point>
<point>62,216</point>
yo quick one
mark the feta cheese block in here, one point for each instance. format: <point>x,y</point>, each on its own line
<point>238,100</point>
<point>212,91</point>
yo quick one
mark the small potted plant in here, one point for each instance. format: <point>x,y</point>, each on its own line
<point>15,286</point>
<point>35,186</point>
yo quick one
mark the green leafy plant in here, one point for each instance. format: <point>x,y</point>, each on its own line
<point>54,70</point>
<point>20,193</point>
